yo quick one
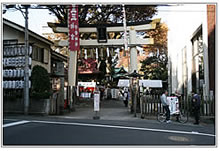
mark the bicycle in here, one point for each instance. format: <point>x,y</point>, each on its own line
<point>181,117</point>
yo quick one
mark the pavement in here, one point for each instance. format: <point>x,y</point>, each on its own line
<point>112,110</point>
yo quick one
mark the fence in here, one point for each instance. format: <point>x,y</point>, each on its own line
<point>151,105</point>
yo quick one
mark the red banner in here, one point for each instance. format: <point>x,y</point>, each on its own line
<point>73,28</point>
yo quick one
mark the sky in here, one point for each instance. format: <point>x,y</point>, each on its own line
<point>40,17</point>
<point>37,19</point>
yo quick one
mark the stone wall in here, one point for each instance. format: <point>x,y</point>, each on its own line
<point>35,106</point>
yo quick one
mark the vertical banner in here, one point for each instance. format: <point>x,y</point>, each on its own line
<point>125,28</point>
<point>73,25</point>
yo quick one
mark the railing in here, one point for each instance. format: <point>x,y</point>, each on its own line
<point>151,105</point>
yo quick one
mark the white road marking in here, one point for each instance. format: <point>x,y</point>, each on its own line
<point>15,123</point>
<point>126,127</point>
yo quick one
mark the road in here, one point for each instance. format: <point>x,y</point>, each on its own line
<point>54,131</point>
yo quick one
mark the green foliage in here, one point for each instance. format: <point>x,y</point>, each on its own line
<point>155,68</point>
<point>41,86</point>
<point>104,14</point>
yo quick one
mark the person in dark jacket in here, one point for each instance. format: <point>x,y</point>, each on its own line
<point>196,107</point>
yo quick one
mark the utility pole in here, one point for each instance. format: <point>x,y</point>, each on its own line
<point>26,68</point>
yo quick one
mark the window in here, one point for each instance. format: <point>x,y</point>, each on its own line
<point>46,56</point>
<point>41,55</point>
<point>38,54</point>
<point>35,53</point>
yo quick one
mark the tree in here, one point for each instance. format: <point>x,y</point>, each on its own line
<point>155,68</point>
<point>41,86</point>
<point>104,14</point>
<point>160,39</point>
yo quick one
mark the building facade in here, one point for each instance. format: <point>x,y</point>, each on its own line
<point>42,55</point>
<point>41,47</point>
<point>192,55</point>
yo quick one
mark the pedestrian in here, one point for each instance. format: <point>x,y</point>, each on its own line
<point>196,107</point>
<point>125,98</point>
<point>165,104</point>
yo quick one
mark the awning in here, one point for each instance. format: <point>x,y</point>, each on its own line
<point>144,83</point>
<point>151,83</point>
<point>123,83</point>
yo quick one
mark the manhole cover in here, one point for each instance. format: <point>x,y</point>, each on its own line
<point>179,138</point>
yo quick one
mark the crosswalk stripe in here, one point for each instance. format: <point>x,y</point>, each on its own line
<point>15,123</point>
<point>126,127</point>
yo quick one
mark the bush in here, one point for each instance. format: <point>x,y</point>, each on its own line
<point>41,86</point>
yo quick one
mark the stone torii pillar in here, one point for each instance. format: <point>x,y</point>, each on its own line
<point>133,51</point>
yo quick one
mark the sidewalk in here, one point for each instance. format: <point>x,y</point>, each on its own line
<point>115,110</point>
<point>109,110</point>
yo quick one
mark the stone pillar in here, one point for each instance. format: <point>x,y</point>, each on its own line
<point>133,51</point>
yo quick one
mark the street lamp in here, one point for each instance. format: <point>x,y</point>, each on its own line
<point>135,83</point>
<point>26,68</point>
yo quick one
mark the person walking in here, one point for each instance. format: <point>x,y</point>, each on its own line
<point>166,106</point>
<point>196,107</point>
<point>125,98</point>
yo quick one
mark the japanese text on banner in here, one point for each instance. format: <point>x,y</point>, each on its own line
<point>73,28</point>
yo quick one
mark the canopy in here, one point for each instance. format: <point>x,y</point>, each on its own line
<point>123,83</point>
<point>144,83</point>
<point>151,83</point>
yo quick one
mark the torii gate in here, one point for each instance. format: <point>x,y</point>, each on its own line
<point>132,42</point>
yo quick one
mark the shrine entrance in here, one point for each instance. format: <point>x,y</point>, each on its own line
<point>102,59</point>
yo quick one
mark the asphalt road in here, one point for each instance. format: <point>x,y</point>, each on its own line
<point>104,132</point>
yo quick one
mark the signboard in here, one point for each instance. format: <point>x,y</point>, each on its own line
<point>173,105</point>
<point>96,101</point>
<point>73,25</point>
<point>114,93</point>
<point>87,84</point>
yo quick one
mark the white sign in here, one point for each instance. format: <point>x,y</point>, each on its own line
<point>114,93</point>
<point>87,84</point>
<point>173,105</point>
<point>96,101</point>
<point>145,83</point>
